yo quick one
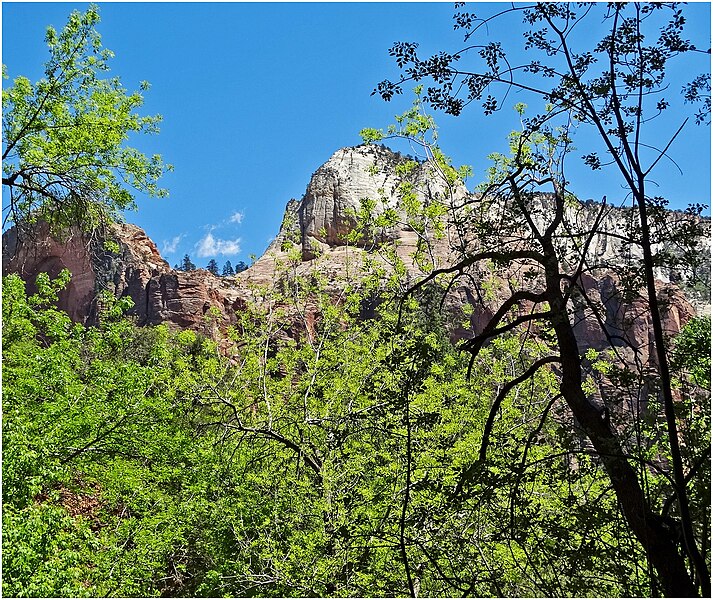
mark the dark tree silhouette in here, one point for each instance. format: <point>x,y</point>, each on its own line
<point>212,267</point>
<point>187,264</point>
<point>616,87</point>
<point>228,269</point>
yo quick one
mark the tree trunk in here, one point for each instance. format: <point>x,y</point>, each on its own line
<point>658,542</point>
<point>669,409</point>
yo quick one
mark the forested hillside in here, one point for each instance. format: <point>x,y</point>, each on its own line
<point>139,461</point>
<point>420,389</point>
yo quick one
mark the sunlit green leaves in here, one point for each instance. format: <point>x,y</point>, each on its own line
<point>193,468</point>
<point>65,160</point>
<point>371,135</point>
<point>692,350</point>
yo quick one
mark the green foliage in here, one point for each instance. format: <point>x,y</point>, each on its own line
<point>369,135</point>
<point>187,264</point>
<point>65,160</point>
<point>95,436</point>
<point>500,230</point>
<point>212,267</point>
<point>228,269</point>
<point>691,364</point>
<point>337,447</point>
<point>692,351</point>
<point>343,461</point>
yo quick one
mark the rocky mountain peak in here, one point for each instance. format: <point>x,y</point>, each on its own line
<point>317,226</point>
<point>336,191</point>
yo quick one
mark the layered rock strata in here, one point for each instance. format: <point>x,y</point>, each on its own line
<point>129,265</point>
<point>315,236</point>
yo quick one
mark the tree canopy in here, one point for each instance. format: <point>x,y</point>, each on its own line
<point>337,442</point>
<point>617,87</point>
<point>65,160</point>
<point>212,267</point>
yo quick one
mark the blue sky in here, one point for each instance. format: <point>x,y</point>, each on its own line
<point>255,97</point>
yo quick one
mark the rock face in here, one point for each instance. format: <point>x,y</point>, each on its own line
<point>46,254</point>
<point>337,189</point>
<point>133,267</point>
<point>627,325</point>
<point>192,299</point>
<point>128,271</point>
<point>315,230</point>
<point>318,224</point>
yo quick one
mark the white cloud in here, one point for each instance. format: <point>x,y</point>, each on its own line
<point>211,246</point>
<point>170,247</point>
<point>236,217</point>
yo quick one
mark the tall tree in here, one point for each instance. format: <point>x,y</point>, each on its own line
<point>228,269</point>
<point>616,87</point>
<point>320,458</point>
<point>545,248</point>
<point>213,267</point>
<point>187,264</point>
<point>64,155</point>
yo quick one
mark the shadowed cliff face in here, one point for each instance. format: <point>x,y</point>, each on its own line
<point>315,228</point>
<point>160,294</point>
<point>45,254</point>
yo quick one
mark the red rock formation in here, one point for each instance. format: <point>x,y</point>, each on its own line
<point>46,254</point>
<point>314,227</point>
<point>160,294</point>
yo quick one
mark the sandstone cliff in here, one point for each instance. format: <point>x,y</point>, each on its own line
<point>315,230</point>
<point>133,267</point>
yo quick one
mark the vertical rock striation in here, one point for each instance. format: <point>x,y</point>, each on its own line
<point>315,228</point>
